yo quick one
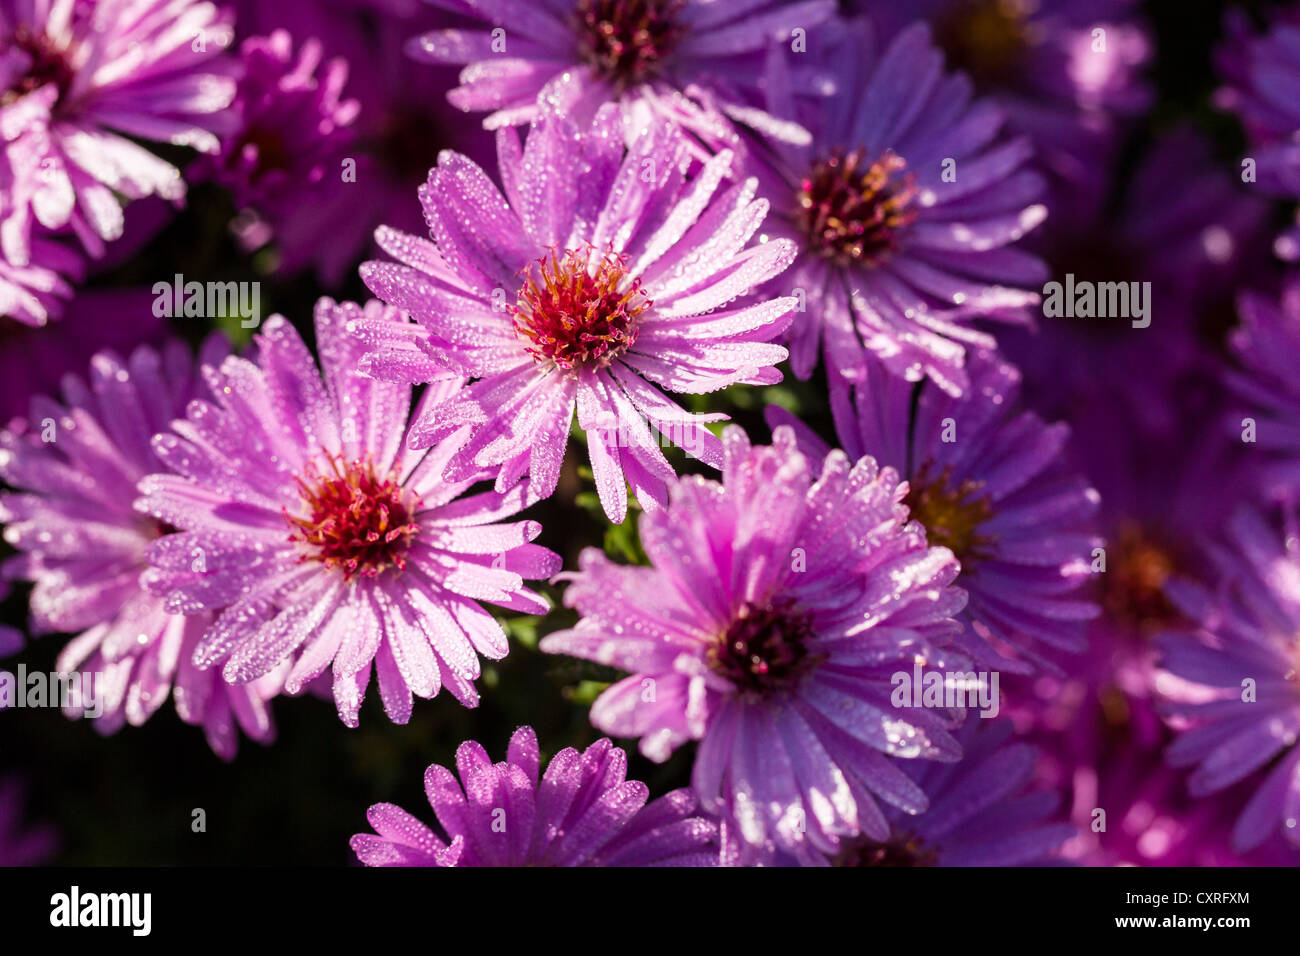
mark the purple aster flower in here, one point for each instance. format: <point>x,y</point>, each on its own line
<point>109,72</point>
<point>984,810</point>
<point>1242,658</point>
<point>1267,345</point>
<point>602,276</point>
<point>987,481</point>
<point>1262,75</point>
<point>294,133</point>
<point>904,208</point>
<point>331,543</point>
<point>777,606</point>
<point>20,844</point>
<point>584,812</point>
<point>75,467</point>
<point>689,62</point>
<point>1067,73</point>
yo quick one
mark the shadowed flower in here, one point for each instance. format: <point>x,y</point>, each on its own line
<point>402,123</point>
<point>75,467</point>
<point>1241,716</point>
<point>294,132</point>
<point>987,480</point>
<point>600,277</point>
<point>34,360</point>
<point>777,608</point>
<point>1262,73</point>
<point>1067,73</point>
<point>1267,345</point>
<point>681,61</point>
<point>583,812</point>
<point>1184,235</point>
<point>301,509</point>
<point>1101,741</point>
<point>104,73</point>
<point>21,845</point>
<point>904,208</point>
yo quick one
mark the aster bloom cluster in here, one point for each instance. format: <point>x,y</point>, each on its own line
<point>996,566</point>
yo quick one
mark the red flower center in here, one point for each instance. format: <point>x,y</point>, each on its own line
<point>952,514</point>
<point>626,41</point>
<point>48,65</point>
<point>853,211</point>
<point>352,520</point>
<point>578,310</point>
<point>765,649</point>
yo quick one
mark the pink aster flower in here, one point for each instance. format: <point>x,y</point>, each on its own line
<point>987,480</point>
<point>776,609</point>
<point>690,62</point>
<point>75,467</point>
<point>602,276</point>
<point>301,508</point>
<point>583,812</point>
<point>108,73</point>
<point>905,208</point>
